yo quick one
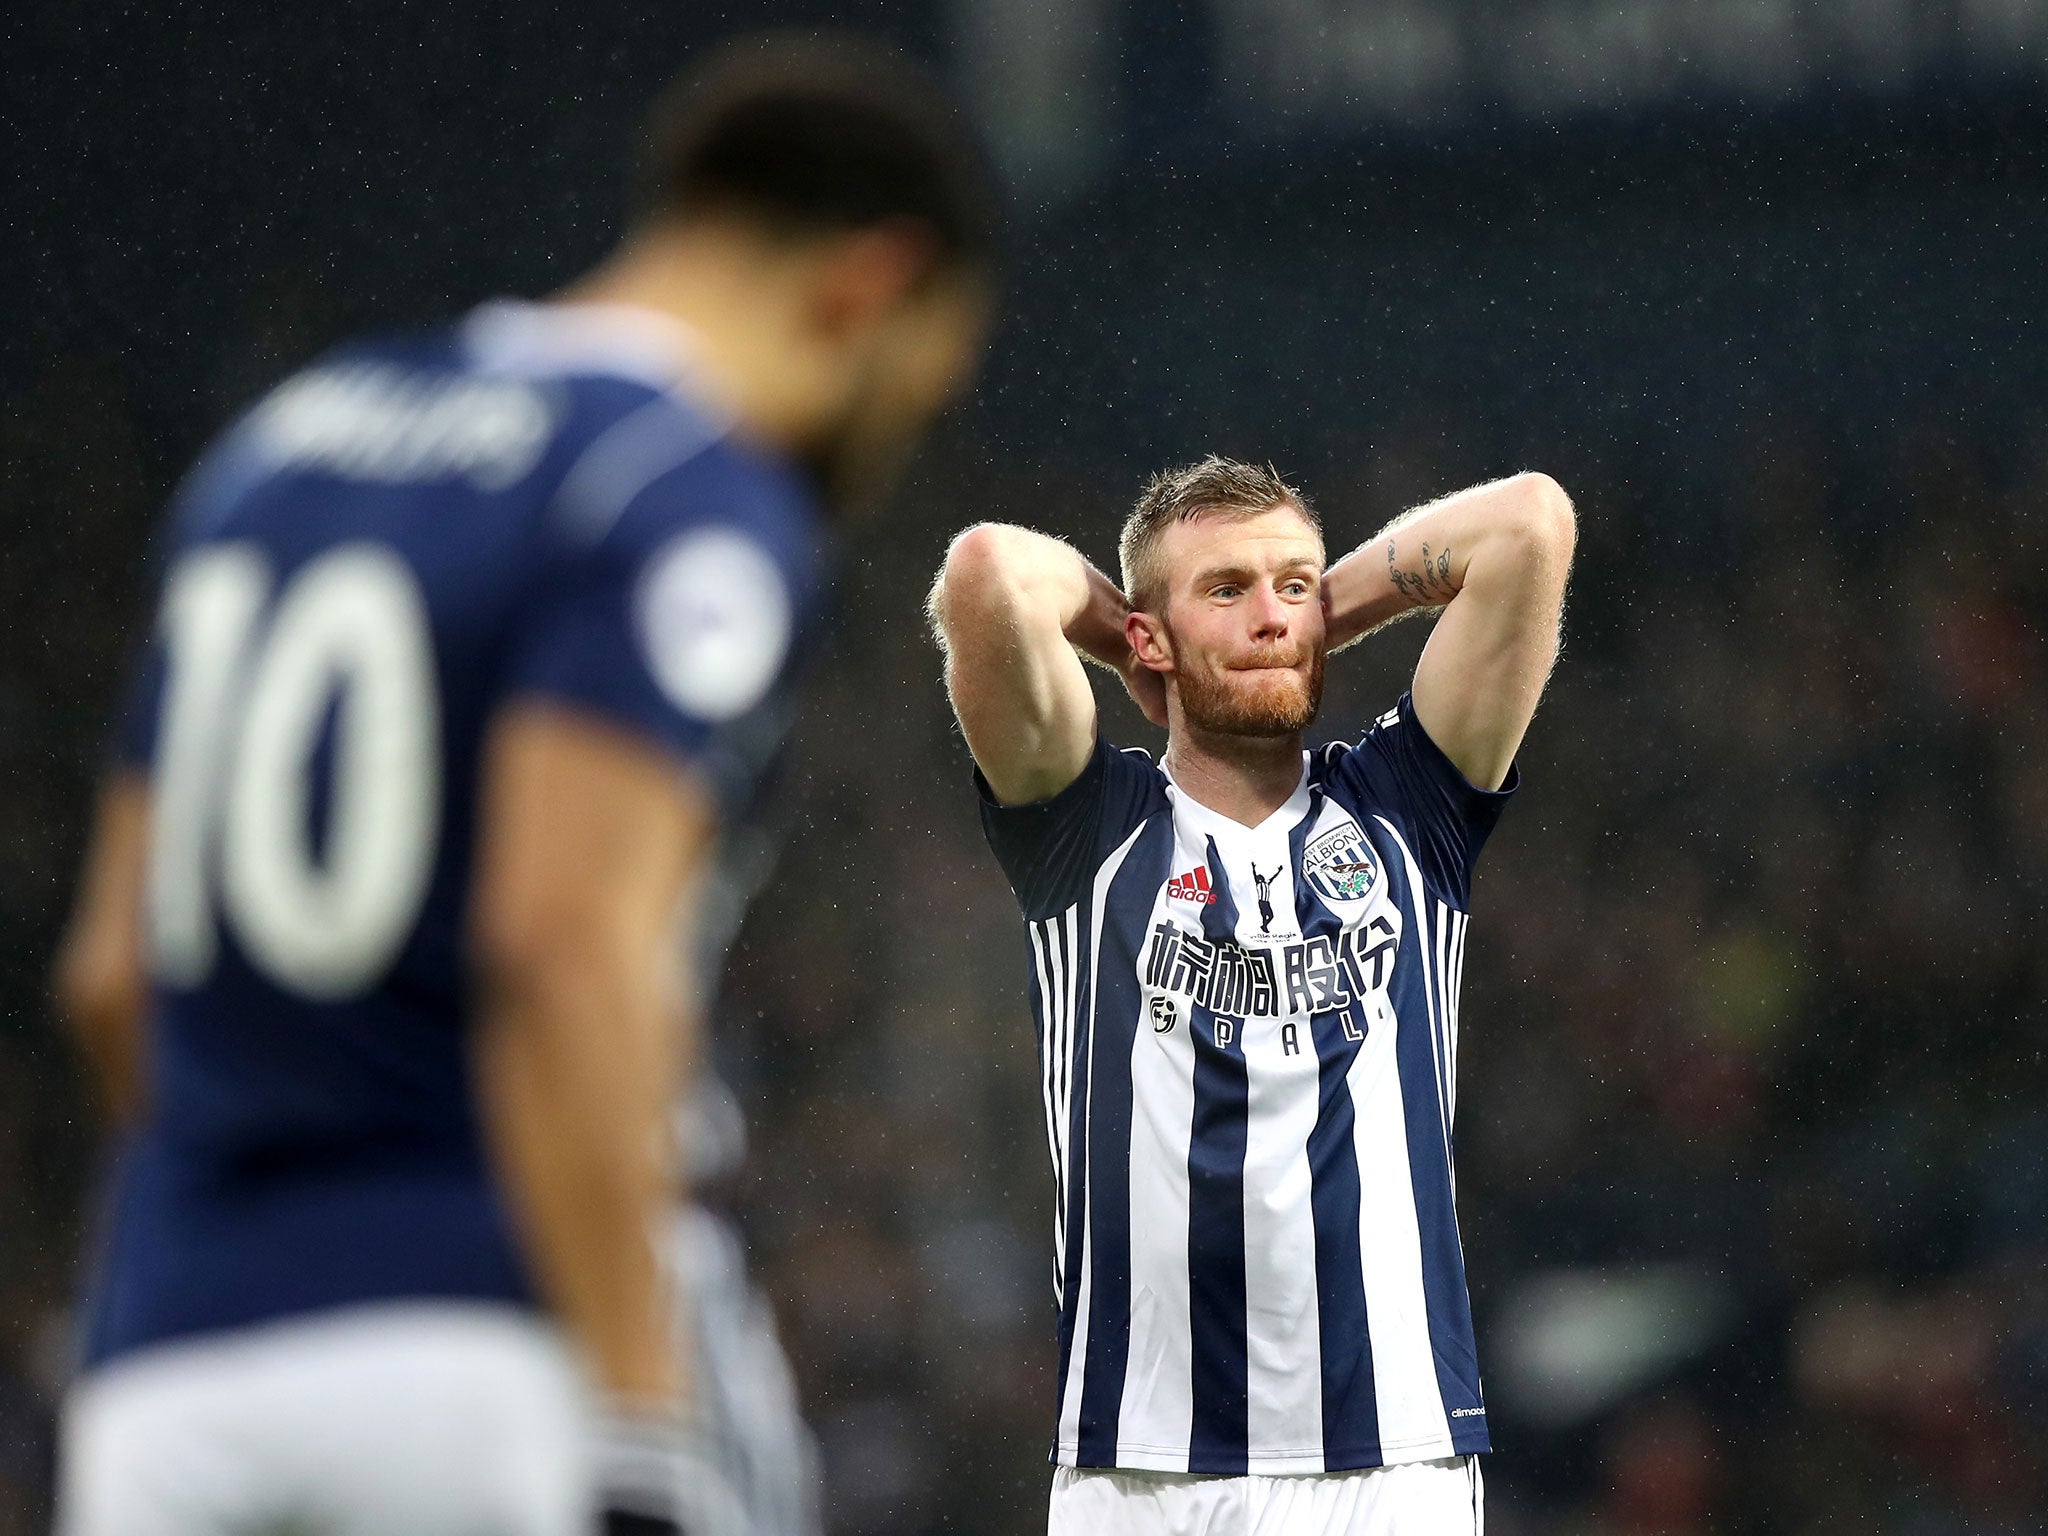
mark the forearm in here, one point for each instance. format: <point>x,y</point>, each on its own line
<point>1426,557</point>
<point>110,1035</point>
<point>98,981</point>
<point>578,1072</point>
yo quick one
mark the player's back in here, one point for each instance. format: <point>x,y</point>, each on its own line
<point>363,571</point>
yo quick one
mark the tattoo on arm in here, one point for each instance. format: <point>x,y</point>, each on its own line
<point>1428,586</point>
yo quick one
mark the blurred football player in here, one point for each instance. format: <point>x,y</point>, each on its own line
<point>1245,965</point>
<point>473,647</point>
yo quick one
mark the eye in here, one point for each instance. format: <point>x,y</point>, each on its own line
<point>1226,590</point>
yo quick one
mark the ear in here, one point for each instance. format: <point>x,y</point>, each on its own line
<point>864,274</point>
<point>1149,641</point>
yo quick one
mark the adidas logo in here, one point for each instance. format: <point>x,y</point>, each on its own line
<point>1192,886</point>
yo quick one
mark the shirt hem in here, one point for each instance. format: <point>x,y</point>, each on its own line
<point>1143,1458</point>
<point>115,1346</point>
<point>228,1338</point>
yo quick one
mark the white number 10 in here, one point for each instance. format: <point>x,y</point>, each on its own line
<point>246,696</point>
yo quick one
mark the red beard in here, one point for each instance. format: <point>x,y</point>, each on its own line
<point>1238,703</point>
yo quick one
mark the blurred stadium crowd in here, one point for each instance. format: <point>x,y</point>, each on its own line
<point>1754,1123</point>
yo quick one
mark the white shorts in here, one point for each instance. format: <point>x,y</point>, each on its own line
<point>406,1419</point>
<point>1417,1498</point>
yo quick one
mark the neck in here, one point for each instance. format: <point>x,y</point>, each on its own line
<point>742,303</point>
<point>1246,778</point>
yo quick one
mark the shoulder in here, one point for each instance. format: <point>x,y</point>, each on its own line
<point>1050,848</point>
<point>1397,772</point>
<point>724,556</point>
<point>643,441</point>
<point>1135,760</point>
<point>1394,739</point>
<point>662,469</point>
<point>645,455</point>
<point>1127,775</point>
<point>736,486</point>
<point>391,411</point>
<point>1131,774</point>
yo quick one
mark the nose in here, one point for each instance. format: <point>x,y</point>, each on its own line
<point>1269,615</point>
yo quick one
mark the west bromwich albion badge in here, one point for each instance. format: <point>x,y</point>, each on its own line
<point>1340,864</point>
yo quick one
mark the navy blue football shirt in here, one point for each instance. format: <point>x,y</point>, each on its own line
<point>535,503</point>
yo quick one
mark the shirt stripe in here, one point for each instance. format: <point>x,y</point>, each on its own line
<point>1046,1014</point>
<point>1064,1082</point>
<point>1218,1439</point>
<point>1350,1400</point>
<point>1055,948</point>
<point>1124,893</point>
<point>1283,1326</point>
<point>1446,1312</point>
<point>1454,989</point>
<point>1400,1144</point>
<point>1074,1288</point>
<point>1438,934</point>
<point>1158,1405</point>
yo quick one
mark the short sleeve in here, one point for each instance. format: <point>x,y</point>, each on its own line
<point>674,626</point>
<point>1447,817</point>
<point>1050,849</point>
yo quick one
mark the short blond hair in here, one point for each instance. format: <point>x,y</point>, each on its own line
<point>1214,487</point>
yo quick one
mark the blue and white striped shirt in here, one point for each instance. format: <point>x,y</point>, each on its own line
<point>1248,1042</point>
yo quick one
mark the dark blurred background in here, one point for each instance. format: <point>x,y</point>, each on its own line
<point>1754,1142</point>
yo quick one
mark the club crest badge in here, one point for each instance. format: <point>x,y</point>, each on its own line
<point>1341,865</point>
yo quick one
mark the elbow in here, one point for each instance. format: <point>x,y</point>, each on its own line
<point>525,954</point>
<point>100,998</point>
<point>97,988</point>
<point>980,573</point>
<point>979,556</point>
<point>1544,513</point>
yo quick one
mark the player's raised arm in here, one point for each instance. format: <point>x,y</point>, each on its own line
<point>1014,611</point>
<point>590,843</point>
<point>1495,558</point>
